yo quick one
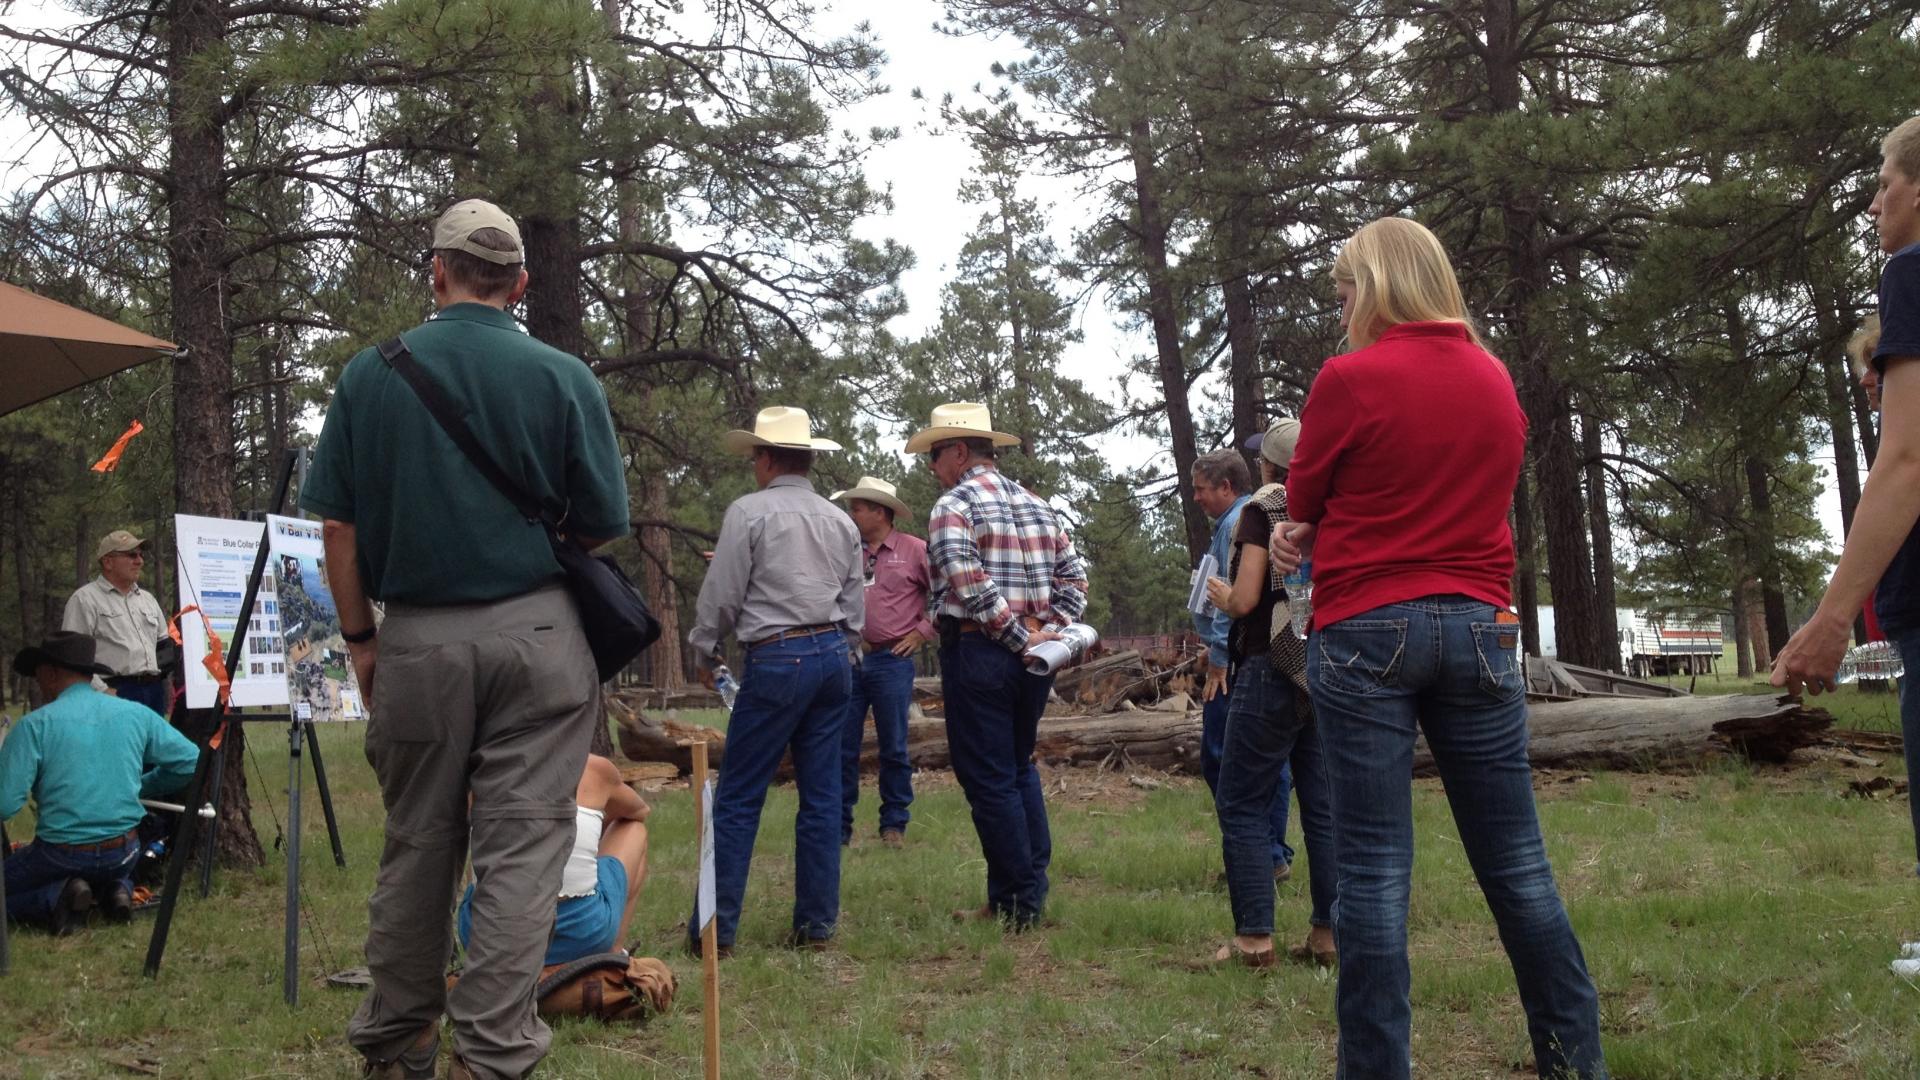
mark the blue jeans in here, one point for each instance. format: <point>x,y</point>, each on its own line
<point>793,694</point>
<point>993,716</point>
<point>1909,646</point>
<point>37,872</point>
<point>1265,732</point>
<point>884,683</point>
<point>1443,666</point>
<point>1213,741</point>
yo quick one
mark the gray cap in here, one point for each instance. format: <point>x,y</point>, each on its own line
<point>454,231</point>
<point>1277,446</point>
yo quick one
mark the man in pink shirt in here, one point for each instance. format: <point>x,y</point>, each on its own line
<point>897,586</point>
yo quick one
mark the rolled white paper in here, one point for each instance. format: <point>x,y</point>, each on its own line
<point>1048,657</point>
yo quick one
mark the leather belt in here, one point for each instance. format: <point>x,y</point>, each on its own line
<point>881,646</point>
<point>796,632</point>
<point>112,680</point>
<point>130,836</point>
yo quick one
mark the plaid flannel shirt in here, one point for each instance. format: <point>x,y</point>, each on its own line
<point>998,553</point>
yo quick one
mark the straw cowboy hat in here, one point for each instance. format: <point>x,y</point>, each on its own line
<point>778,426</point>
<point>874,490</point>
<point>958,420</point>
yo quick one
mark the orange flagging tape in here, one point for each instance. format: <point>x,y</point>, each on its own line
<point>111,460</point>
<point>215,662</point>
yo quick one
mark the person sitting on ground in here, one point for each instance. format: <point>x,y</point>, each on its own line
<point>604,871</point>
<point>86,758</point>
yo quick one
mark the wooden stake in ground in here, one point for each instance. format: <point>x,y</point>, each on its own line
<point>703,911</point>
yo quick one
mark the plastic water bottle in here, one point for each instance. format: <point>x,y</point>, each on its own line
<point>1299,585</point>
<point>723,682</point>
<point>1874,660</point>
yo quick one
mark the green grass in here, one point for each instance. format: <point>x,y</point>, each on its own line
<point>1738,922</point>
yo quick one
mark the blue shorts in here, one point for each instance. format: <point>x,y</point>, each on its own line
<point>583,925</point>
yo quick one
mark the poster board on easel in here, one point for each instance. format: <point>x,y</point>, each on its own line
<point>215,557</point>
<point>320,683</point>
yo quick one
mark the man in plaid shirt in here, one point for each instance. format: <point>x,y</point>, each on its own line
<point>1004,573</point>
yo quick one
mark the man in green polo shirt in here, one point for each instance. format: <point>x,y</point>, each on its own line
<point>480,682</point>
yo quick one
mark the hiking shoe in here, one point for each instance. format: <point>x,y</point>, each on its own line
<point>722,952</point>
<point>1908,968</point>
<point>415,1063</point>
<point>1282,872</point>
<point>1910,951</point>
<point>893,838</point>
<point>119,906</point>
<point>73,909</point>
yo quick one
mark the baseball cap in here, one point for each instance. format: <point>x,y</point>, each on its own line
<point>1278,445</point>
<point>118,540</point>
<point>455,228</point>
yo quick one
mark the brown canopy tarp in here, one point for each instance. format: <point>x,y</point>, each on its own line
<point>47,347</point>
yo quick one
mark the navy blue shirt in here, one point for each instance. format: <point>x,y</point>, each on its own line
<point>1897,600</point>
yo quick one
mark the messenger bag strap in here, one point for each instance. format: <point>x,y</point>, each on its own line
<point>399,357</point>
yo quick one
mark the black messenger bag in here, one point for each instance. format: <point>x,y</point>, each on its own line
<point>616,620</point>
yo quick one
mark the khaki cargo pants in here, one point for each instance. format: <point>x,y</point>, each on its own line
<point>496,701</point>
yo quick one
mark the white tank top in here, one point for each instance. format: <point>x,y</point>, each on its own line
<point>582,875</point>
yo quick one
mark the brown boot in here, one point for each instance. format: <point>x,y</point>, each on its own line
<point>414,1063</point>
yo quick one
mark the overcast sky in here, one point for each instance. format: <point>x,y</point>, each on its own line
<point>922,169</point>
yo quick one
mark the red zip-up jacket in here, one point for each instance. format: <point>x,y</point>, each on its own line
<point>1408,455</point>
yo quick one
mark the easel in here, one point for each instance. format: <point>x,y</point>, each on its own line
<point>210,769</point>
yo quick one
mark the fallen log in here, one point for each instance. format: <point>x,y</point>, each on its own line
<point>660,736</point>
<point>1615,733</point>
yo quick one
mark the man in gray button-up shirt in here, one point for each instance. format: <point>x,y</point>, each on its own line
<point>787,580</point>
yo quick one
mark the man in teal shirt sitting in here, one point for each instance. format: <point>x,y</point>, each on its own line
<point>86,758</point>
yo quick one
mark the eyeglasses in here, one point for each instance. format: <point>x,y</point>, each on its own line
<point>134,554</point>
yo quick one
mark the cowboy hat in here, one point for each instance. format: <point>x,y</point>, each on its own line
<point>958,420</point>
<point>778,426</point>
<point>62,649</point>
<point>874,490</point>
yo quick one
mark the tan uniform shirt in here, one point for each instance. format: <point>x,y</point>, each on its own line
<point>123,627</point>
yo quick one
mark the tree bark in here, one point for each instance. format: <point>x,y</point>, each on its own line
<point>1757,628</point>
<point>1526,568</point>
<point>203,441</point>
<point>1166,329</point>
<point>1243,338</point>
<point>1742,631</point>
<point>1836,375</point>
<point>1773,600</point>
<point>1600,520</point>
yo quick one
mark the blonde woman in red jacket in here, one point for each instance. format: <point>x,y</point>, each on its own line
<point>1402,480</point>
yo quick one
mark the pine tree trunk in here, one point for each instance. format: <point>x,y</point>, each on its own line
<point>1767,561</point>
<point>1757,628</point>
<point>1243,338</point>
<point>1742,632</point>
<point>203,439</point>
<point>1166,330</point>
<point>666,657</point>
<point>1600,520</point>
<point>1526,569</point>
<point>1846,467</point>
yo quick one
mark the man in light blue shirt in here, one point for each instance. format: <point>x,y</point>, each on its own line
<point>86,758</point>
<point>1221,485</point>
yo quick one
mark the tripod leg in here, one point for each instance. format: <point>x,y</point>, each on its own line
<point>291,987</point>
<point>183,837</point>
<point>326,797</point>
<point>213,824</point>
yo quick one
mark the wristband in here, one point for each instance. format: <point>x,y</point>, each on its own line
<point>360,638</point>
